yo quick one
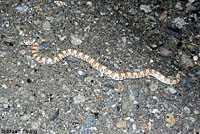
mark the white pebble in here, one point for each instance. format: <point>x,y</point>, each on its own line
<point>151,61</point>
<point>124,40</point>
<point>153,87</point>
<point>3,100</point>
<point>76,23</point>
<point>134,127</point>
<point>191,1</point>
<point>171,90</point>
<point>196,112</point>
<point>79,99</point>
<point>66,88</point>
<point>195,58</point>
<point>80,72</point>
<point>146,8</point>
<point>187,110</point>
<point>59,3</point>
<point>25,117</point>
<point>5,105</point>
<point>155,111</point>
<point>131,120</point>
<point>4,86</point>
<point>89,3</point>
<point>34,125</point>
<point>75,40</point>
<point>46,25</point>
<point>179,22</point>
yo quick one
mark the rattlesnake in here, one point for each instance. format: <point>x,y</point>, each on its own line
<point>103,69</point>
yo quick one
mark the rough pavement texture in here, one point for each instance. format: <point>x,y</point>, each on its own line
<point>70,96</point>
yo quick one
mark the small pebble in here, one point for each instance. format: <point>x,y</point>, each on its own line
<point>171,90</point>
<point>21,8</point>
<point>89,79</point>
<point>186,82</point>
<point>196,112</point>
<point>55,116</point>
<point>155,111</point>
<point>5,26</point>
<point>165,52</point>
<point>109,121</point>
<point>178,6</point>
<point>108,8</point>
<point>29,80</point>
<point>75,40</point>
<point>3,54</point>
<point>109,86</point>
<point>127,104</point>
<point>186,61</point>
<point>46,25</point>
<point>121,124</point>
<point>155,101</point>
<point>195,58</point>
<point>89,3</point>
<point>81,73</point>
<point>79,99</point>
<point>134,127</point>
<point>191,1</point>
<point>34,125</point>
<point>135,94</point>
<point>122,20</point>
<point>124,40</point>
<point>153,87</point>
<point>89,121</point>
<point>5,105</point>
<point>166,90</point>
<point>120,87</point>
<point>179,22</point>
<point>39,15</point>
<point>132,11</point>
<point>135,38</point>
<point>145,126</point>
<point>65,88</point>
<point>170,119</point>
<point>25,117</point>
<point>4,86</point>
<point>141,117</point>
<point>3,100</point>
<point>44,45</point>
<point>187,110</point>
<point>190,7</point>
<point>59,3</point>
<point>146,8</point>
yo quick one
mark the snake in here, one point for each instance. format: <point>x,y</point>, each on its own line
<point>100,67</point>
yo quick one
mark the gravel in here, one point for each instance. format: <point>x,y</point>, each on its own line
<point>72,97</point>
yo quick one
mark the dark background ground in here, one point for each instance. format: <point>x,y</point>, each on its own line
<point>72,97</point>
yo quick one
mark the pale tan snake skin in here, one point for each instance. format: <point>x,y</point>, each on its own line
<point>103,69</point>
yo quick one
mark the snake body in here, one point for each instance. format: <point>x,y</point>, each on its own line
<point>101,68</point>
